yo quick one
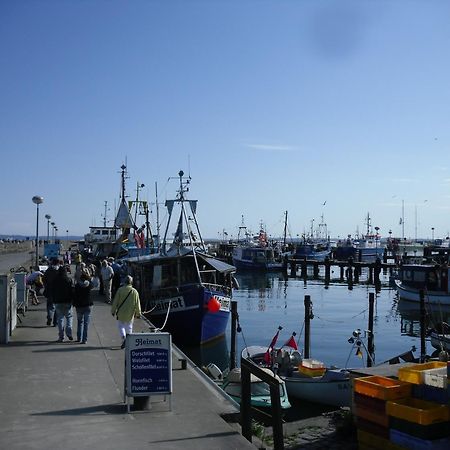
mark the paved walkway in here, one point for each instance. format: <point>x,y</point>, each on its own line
<point>70,396</point>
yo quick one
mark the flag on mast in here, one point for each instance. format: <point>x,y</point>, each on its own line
<point>267,355</point>
<point>291,342</point>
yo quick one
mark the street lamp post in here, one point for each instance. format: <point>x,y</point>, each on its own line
<point>376,240</point>
<point>37,200</point>
<point>48,217</point>
<point>53,229</point>
<point>67,238</point>
<point>432,234</point>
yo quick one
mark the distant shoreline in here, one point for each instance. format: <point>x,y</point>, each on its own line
<point>16,247</point>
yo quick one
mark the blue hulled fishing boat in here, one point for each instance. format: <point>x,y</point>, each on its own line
<point>184,290</point>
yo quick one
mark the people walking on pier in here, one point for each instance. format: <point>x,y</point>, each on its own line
<point>63,304</point>
<point>107,274</point>
<point>34,285</point>
<point>126,306</point>
<point>117,269</point>
<point>49,289</point>
<point>83,305</point>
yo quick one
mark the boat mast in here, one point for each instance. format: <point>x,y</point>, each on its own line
<point>285,228</point>
<point>157,217</point>
<point>104,216</point>
<point>403,220</point>
<point>181,199</point>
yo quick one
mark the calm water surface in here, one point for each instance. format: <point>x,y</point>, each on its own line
<point>266,301</point>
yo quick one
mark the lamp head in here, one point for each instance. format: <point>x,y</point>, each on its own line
<point>48,216</point>
<point>37,199</point>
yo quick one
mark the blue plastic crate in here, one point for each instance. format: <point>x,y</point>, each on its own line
<point>430,393</point>
<point>415,443</point>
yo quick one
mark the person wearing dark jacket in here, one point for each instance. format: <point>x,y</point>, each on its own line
<point>49,280</point>
<point>83,305</point>
<point>62,298</point>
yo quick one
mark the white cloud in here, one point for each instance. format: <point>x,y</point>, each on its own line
<point>271,147</point>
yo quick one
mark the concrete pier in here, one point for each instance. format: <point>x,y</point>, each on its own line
<point>69,395</point>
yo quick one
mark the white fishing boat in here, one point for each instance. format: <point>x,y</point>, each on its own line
<point>307,379</point>
<point>431,279</point>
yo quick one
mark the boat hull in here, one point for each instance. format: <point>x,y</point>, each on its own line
<point>257,267</point>
<point>189,320</point>
<point>413,294</point>
<point>324,390</point>
<point>370,254</point>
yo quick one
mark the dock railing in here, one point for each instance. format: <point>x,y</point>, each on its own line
<point>247,368</point>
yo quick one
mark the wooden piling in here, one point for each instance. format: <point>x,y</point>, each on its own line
<point>308,314</point>
<point>423,350</point>
<point>370,346</point>
<point>234,315</point>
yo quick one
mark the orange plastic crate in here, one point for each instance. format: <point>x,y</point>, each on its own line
<point>382,387</point>
<point>416,373</point>
<point>418,411</point>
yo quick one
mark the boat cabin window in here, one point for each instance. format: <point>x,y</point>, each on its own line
<point>165,276</point>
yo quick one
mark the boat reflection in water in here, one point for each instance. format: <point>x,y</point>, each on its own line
<point>435,316</point>
<point>215,352</point>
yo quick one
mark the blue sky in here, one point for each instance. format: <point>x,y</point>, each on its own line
<point>271,106</point>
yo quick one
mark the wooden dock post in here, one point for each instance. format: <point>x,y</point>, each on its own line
<point>377,270</point>
<point>293,268</point>
<point>234,316</point>
<point>370,346</point>
<point>342,267</point>
<point>308,317</point>
<point>370,273</point>
<point>357,272</point>
<point>316,269</point>
<point>350,270</point>
<point>423,350</point>
<point>304,271</point>
<point>327,269</point>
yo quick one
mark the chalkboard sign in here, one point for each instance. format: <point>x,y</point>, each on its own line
<point>148,364</point>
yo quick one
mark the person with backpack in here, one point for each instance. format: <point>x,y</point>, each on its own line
<point>126,307</point>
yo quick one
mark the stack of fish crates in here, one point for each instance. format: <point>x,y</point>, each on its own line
<point>422,421</point>
<point>409,413</point>
<point>371,396</point>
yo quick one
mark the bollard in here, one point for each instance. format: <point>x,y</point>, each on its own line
<point>142,403</point>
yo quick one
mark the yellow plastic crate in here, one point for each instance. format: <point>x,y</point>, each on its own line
<point>382,387</point>
<point>418,411</point>
<point>416,373</point>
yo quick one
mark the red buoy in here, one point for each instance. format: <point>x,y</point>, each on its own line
<point>213,305</point>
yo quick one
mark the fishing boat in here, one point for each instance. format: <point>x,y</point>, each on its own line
<point>345,249</point>
<point>259,390</point>
<point>257,253</point>
<point>306,379</point>
<point>369,247</point>
<point>312,250</point>
<point>183,289</point>
<point>125,238</point>
<point>431,279</point>
<point>315,246</point>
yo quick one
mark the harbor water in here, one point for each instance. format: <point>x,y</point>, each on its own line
<point>267,301</point>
